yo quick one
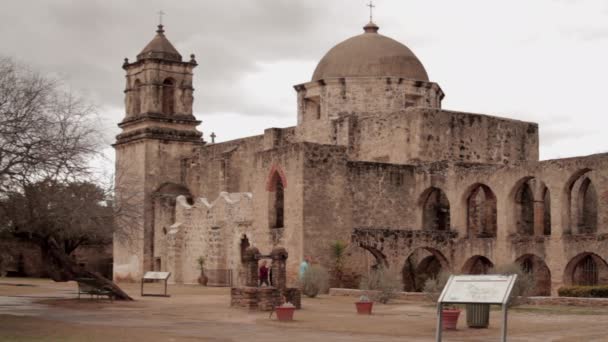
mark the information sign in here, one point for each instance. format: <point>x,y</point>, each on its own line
<point>164,276</point>
<point>477,289</point>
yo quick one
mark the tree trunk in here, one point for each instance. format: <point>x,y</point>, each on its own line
<point>62,267</point>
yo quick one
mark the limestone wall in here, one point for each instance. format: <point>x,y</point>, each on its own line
<point>424,134</point>
<point>209,230</point>
<point>319,103</point>
<point>555,181</point>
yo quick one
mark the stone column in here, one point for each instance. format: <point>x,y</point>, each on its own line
<point>279,268</point>
<point>539,218</point>
<point>250,263</point>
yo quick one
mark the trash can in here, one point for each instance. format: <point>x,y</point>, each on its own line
<point>478,315</point>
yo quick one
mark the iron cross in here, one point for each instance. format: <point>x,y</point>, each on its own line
<point>160,17</point>
<point>213,137</point>
<point>371,10</point>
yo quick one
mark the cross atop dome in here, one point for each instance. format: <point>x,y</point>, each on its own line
<point>371,27</point>
<point>371,11</point>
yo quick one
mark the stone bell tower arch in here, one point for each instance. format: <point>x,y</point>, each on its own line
<point>158,133</point>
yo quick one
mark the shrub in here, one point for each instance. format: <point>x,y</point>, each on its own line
<point>434,286</point>
<point>384,284</point>
<point>598,291</point>
<point>523,285</point>
<point>314,281</point>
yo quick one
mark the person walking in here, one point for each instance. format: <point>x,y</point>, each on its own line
<point>264,274</point>
<point>304,267</point>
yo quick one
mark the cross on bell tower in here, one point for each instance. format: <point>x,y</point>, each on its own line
<point>160,17</point>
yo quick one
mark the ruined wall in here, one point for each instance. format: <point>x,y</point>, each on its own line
<point>560,248</point>
<point>211,230</point>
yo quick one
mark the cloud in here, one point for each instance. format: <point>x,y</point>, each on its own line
<point>251,52</point>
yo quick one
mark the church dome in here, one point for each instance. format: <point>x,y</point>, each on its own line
<point>370,55</point>
<point>160,48</point>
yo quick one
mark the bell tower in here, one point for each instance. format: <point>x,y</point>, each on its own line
<point>158,134</point>
<point>158,94</point>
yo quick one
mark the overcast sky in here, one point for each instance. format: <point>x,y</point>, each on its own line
<point>543,60</point>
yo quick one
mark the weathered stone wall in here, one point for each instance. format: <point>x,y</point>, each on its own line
<point>212,231</point>
<point>560,248</point>
<point>319,103</point>
<point>144,168</point>
<point>425,134</point>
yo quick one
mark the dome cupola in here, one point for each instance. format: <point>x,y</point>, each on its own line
<point>370,55</point>
<point>160,48</point>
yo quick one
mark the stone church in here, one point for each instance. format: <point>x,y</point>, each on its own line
<point>373,161</point>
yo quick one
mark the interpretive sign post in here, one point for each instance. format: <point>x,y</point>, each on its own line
<point>155,276</point>
<point>477,289</point>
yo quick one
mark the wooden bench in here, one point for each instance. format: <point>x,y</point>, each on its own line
<point>93,288</point>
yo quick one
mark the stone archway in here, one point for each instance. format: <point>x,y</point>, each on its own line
<point>580,207</point>
<point>477,264</point>
<point>481,212</point>
<point>539,271</point>
<point>422,264</point>
<point>380,258</point>
<point>435,210</point>
<point>586,269</point>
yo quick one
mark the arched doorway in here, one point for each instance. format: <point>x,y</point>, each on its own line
<point>422,264</point>
<point>481,212</point>
<point>586,269</point>
<point>477,264</point>
<point>537,268</point>
<point>435,210</point>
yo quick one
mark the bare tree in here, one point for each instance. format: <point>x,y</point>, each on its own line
<point>45,132</point>
<point>47,138</point>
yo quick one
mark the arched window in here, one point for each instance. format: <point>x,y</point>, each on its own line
<point>276,203</point>
<point>435,210</point>
<point>477,265</point>
<point>136,97</point>
<point>168,96</point>
<point>585,272</point>
<point>524,200</point>
<point>587,207</point>
<point>481,212</point>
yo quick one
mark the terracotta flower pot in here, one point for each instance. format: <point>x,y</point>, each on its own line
<point>364,308</point>
<point>450,318</point>
<point>202,279</point>
<point>285,314</point>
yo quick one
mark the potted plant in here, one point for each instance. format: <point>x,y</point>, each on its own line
<point>449,313</point>
<point>285,312</point>
<point>364,305</point>
<point>202,279</point>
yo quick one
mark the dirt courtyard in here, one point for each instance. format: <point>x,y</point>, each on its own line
<point>41,310</point>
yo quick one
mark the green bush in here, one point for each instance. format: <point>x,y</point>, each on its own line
<point>314,281</point>
<point>384,284</point>
<point>599,291</point>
